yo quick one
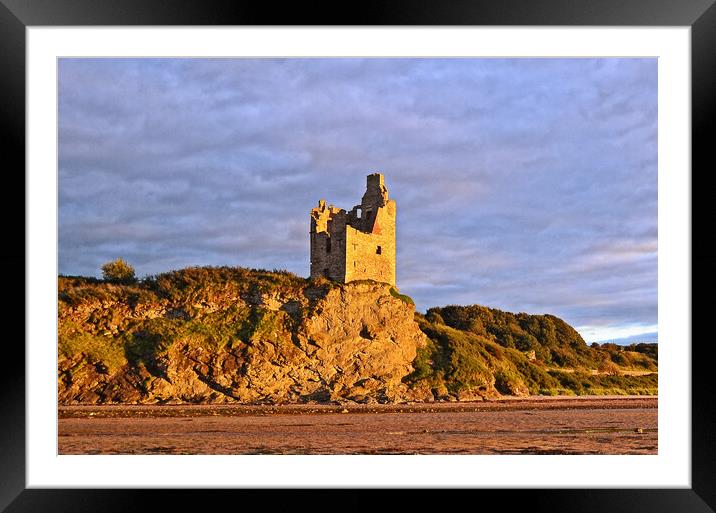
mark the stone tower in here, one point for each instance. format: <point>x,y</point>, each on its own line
<point>355,245</point>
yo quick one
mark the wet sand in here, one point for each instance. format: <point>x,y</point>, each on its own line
<point>535,425</point>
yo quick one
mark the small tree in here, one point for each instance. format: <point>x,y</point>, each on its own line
<point>118,271</point>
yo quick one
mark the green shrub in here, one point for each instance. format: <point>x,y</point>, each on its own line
<point>434,317</point>
<point>97,348</point>
<point>508,382</point>
<point>151,338</point>
<point>569,381</point>
<point>423,363</point>
<point>118,271</point>
<point>534,376</point>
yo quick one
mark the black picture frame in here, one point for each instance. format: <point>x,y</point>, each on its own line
<point>17,15</point>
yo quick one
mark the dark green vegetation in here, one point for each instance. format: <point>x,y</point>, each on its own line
<point>118,271</point>
<point>116,338</point>
<point>649,349</point>
<point>475,348</point>
<point>472,350</point>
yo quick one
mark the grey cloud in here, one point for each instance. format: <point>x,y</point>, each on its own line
<point>525,184</point>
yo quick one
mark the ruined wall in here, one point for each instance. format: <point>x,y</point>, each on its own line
<point>371,256</point>
<point>328,242</point>
<point>356,245</point>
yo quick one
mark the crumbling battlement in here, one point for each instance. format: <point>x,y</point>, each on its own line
<point>355,245</point>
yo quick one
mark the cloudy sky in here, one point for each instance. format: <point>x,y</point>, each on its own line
<point>528,185</point>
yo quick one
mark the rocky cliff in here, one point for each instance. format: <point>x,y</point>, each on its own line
<point>224,335</point>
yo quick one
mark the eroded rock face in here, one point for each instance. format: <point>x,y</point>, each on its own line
<point>345,342</point>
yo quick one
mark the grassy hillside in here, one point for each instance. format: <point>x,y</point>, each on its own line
<point>479,350</point>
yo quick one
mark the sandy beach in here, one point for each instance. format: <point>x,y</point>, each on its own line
<point>533,425</point>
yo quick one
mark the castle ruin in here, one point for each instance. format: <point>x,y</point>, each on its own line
<point>355,245</point>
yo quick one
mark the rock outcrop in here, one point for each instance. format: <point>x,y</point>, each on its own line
<point>249,341</point>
